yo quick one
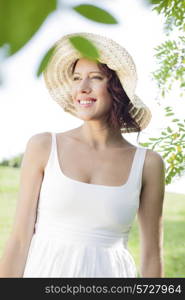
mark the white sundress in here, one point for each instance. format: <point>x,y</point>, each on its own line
<point>82,229</point>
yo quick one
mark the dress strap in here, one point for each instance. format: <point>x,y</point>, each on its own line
<point>54,146</point>
<point>51,159</point>
<point>137,168</point>
<point>53,134</point>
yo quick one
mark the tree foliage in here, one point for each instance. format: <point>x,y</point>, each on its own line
<point>171,145</point>
<point>174,12</point>
<point>14,162</point>
<point>170,57</point>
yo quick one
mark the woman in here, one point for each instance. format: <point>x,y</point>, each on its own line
<point>80,190</point>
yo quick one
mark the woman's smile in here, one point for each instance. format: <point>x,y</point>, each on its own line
<point>88,102</point>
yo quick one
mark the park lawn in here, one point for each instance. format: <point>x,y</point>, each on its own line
<point>174,236</point>
<point>173,220</point>
<point>9,180</point>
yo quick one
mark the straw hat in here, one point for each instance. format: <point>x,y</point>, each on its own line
<point>58,77</point>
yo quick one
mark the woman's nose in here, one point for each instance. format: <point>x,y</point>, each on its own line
<point>84,86</point>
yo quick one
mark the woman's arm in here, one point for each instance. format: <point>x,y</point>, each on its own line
<point>150,215</point>
<point>14,258</point>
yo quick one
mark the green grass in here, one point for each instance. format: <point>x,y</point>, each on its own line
<point>174,236</point>
<point>173,216</point>
<point>9,178</point>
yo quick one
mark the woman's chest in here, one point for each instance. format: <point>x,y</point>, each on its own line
<point>105,167</point>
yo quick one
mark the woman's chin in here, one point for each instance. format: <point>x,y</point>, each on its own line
<point>85,116</point>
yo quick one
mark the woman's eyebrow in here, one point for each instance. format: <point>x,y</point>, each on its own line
<point>90,72</point>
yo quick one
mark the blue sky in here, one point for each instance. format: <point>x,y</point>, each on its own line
<point>28,108</point>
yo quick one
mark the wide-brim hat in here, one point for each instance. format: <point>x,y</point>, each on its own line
<point>57,74</point>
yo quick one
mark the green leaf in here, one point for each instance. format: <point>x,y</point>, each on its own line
<point>169,129</point>
<point>182,84</point>
<point>153,1</point>
<point>44,61</point>
<point>85,47</point>
<point>170,114</point>
<point>166,154</point>
<point>153,139</point>
<point>175,120</point>
<point>163,93</point>
<point>170,149</point>
<point>163,133</point>
<point>95,13</point>
<point>20,20</point>
<point>181,125</point>
<point>145,144</point>
<point>168,108</point>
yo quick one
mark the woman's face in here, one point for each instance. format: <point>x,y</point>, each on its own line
<point>91,98</point>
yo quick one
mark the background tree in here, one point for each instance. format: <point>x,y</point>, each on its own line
<point>170,57</point>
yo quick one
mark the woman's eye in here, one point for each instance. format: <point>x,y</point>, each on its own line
<point>94,77</point>
<point>97,77</point>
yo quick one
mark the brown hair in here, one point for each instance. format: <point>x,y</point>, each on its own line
<point>119,115</point>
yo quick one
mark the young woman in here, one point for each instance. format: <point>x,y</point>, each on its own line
<point>80,190</point>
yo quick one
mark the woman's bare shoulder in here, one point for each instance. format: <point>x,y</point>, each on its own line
<point>154,165</point>
<point>153,157</point>
<point>41,140</point>
<point>40,146</point>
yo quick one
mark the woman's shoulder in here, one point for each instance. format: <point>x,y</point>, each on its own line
<point>154,164</point>
<point>39,145</point>
<point>41,139</point>
<point>44,139</point>
<point>153,157</point>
